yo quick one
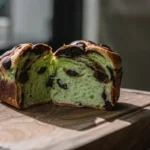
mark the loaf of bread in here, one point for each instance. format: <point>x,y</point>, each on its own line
<point>81,74</point>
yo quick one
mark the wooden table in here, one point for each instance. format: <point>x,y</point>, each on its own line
<point>49,127</point>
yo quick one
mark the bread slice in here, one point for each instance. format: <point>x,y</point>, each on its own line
<point>87,75</point>
<point>81,74</point>
<point>24,72</point>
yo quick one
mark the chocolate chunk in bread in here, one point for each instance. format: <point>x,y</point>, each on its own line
<point>23,77</point>
<point>71,73</point>
<point>61,84</point>
<point>102,77</point>
<point>104,96</point>
<point>50,81</point>
<point>70,52</point>
<point>42,70</point>
<point>39,49</point>
<point>6,63</point>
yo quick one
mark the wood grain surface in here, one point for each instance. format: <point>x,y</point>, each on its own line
<point>50,127</point>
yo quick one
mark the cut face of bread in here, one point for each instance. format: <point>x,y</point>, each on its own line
<point>85,76</point>
<point>81,74</point>
<point>28,73</point>
<point>77,85</point>
<point>33,75</point>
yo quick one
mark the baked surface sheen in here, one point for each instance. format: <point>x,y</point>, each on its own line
<point>81,74</point>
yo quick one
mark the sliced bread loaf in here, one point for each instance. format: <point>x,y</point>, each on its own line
<point>81,74</point>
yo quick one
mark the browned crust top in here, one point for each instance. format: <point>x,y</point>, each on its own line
<point>89,46</point>
<point>10,92</point>
<point>23,48</point>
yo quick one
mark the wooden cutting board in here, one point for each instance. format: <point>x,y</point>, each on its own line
<point>50,127</point>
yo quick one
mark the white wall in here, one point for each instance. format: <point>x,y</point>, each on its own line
<point>91,20</point>
<point>4,31</point>
<point>31,20</point>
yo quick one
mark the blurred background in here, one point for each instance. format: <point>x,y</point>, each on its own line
<point>124,25</point>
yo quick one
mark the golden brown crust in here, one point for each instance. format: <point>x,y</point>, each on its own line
<point>118,77</point>
<point>14,55</point>
<point>10,91</point>
<point>88,46</point>
<point>91,46</point>
<point>73,105</point>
